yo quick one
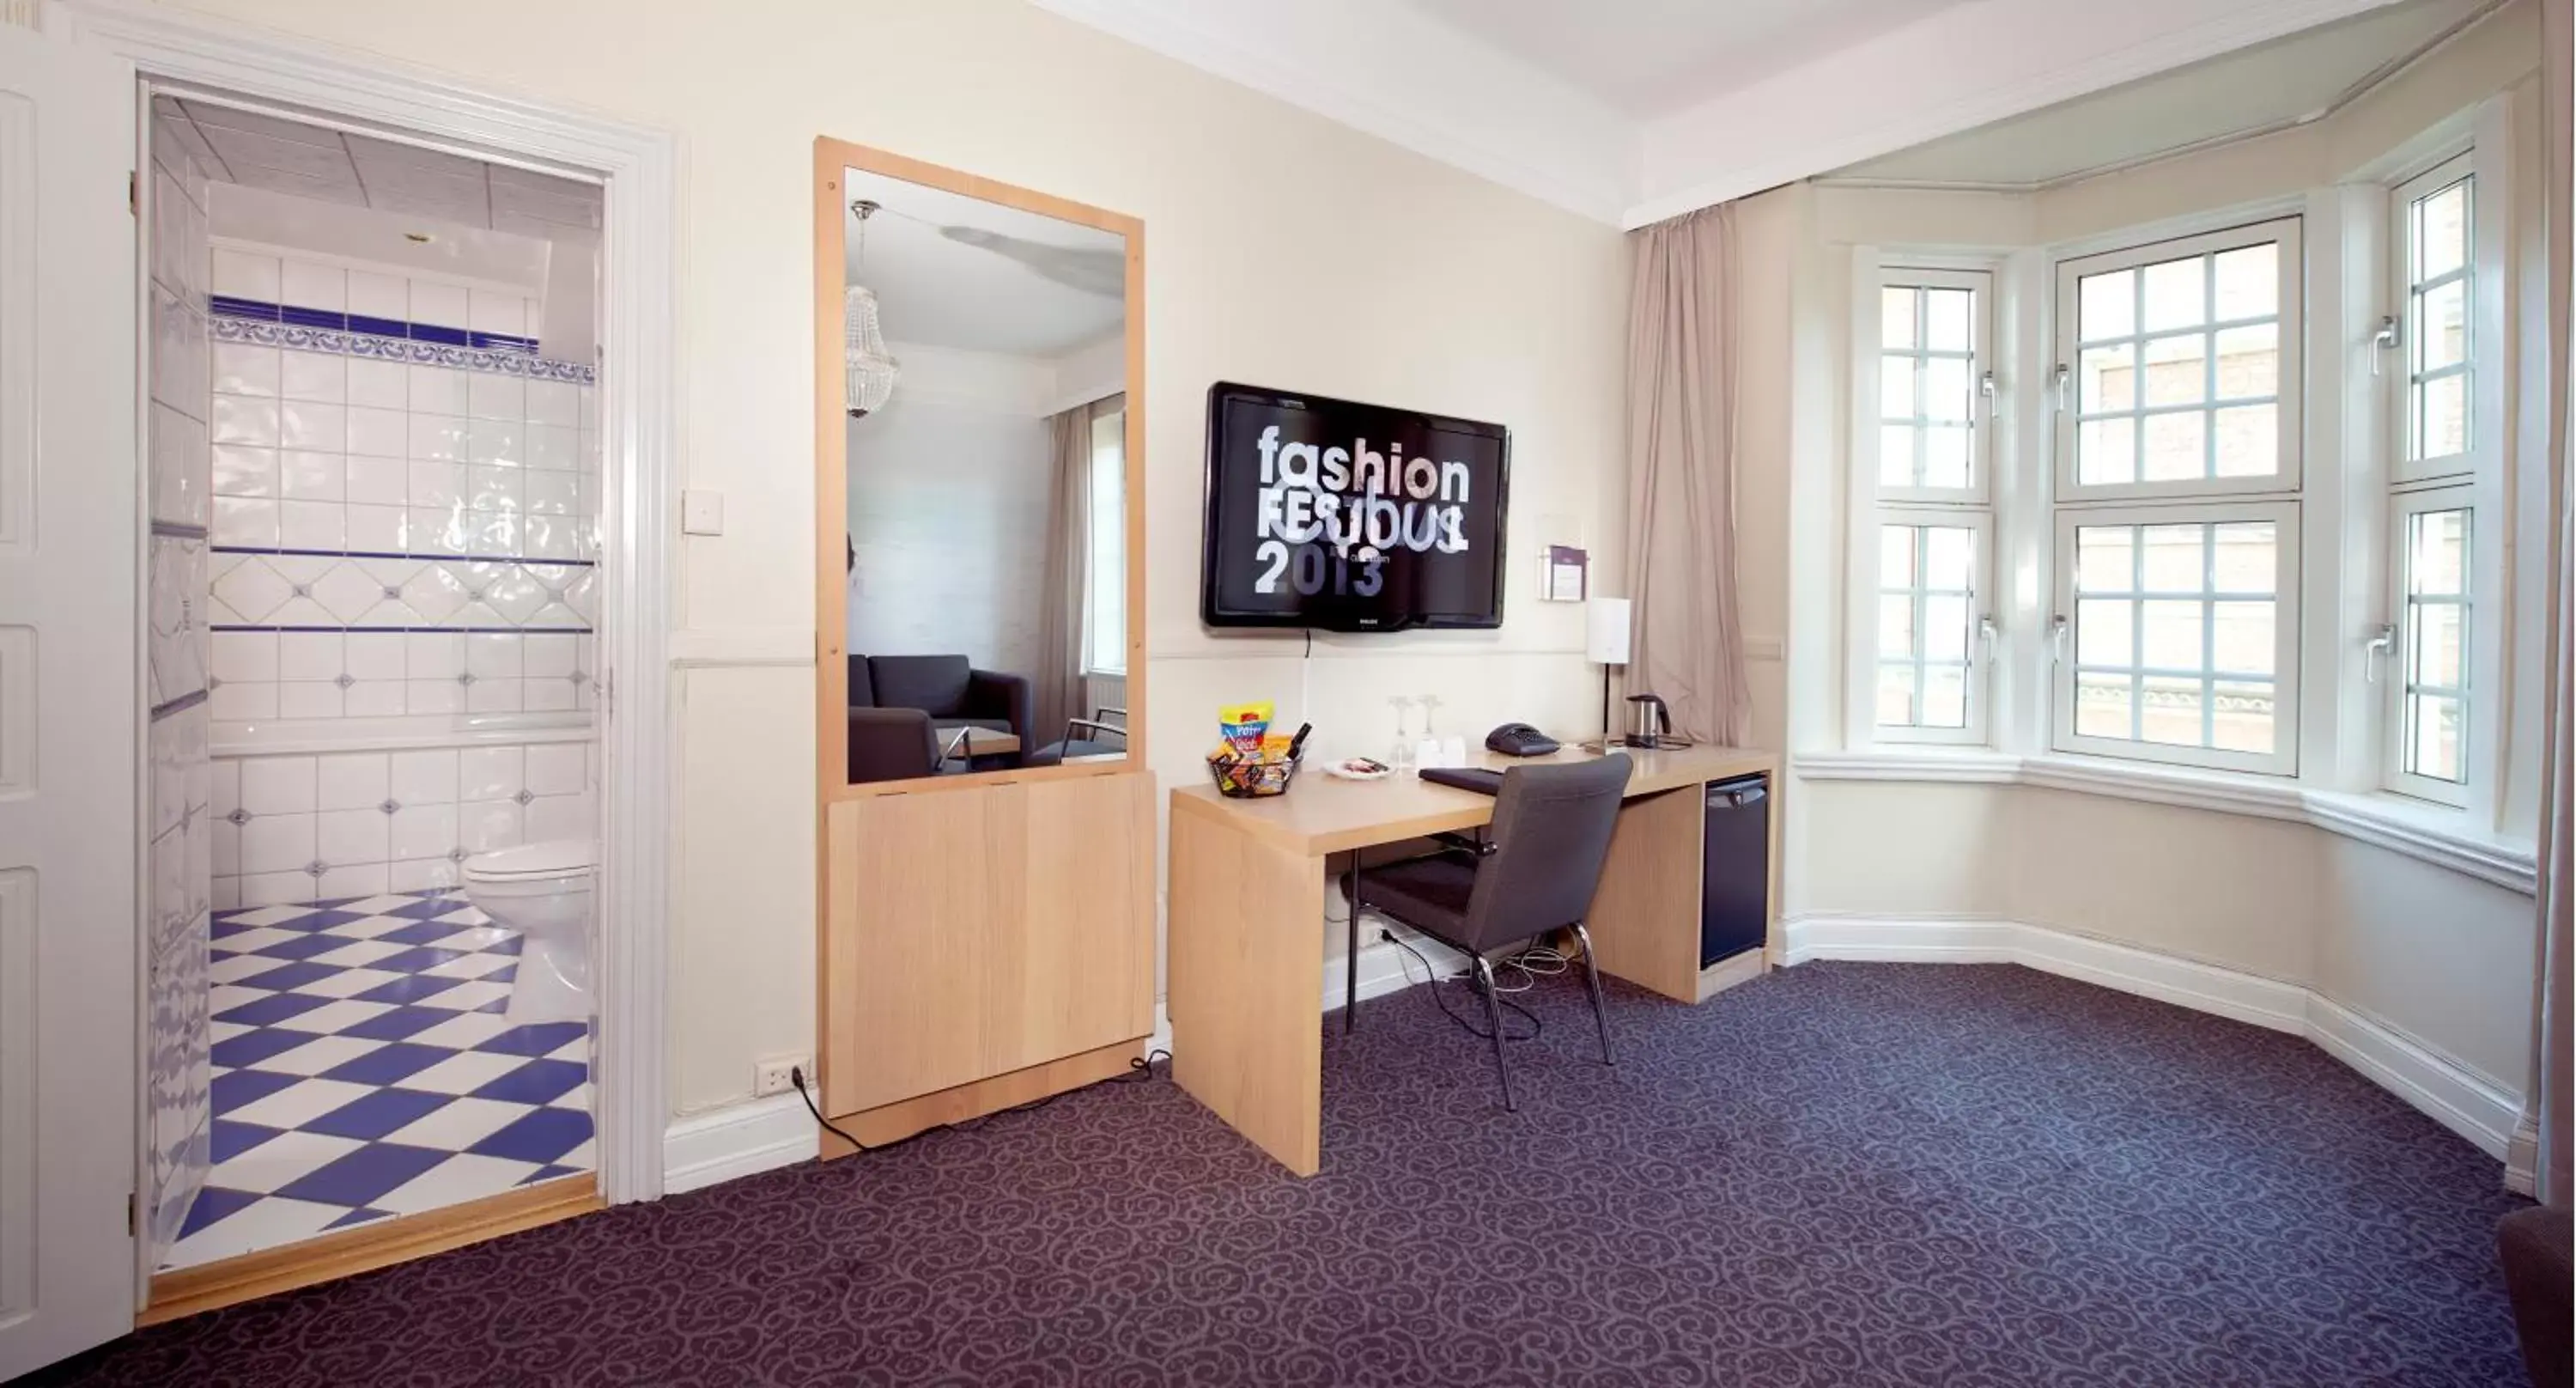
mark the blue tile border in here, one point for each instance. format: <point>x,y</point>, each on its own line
<point>385,339</point>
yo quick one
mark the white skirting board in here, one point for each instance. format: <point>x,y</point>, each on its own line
<point>2460,1099</point>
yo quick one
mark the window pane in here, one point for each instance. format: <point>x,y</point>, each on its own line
<point>1105,611</point>
<point>2242,719</point>
<point>2433,735</point>
<point>2444,417</point>
<point>2438,556</point>
<point>1945,696</point>
<point>1896,695</point>
<point>2170,711</point>
<point>2107,379</point>
<point>2249,441</point>
<point>1945,455</point>
<point>1896,625</point>
<point>1946,392</point>
<point>2249,362</point>
<point>2442,231</point>
<point>2104,562</point>
<point>2177,294</point>
<point>2103,635</point>
<point>2442,326</point>
<point>2242,637</point>
<point>2106,451</point>
<point>1950,563</point>
<point>2176,447</point>
<point>1945,319</point>
<point>1896,388</point>
<point>1895,556</point>
<point>2248,558</point>
<point>2106,305</point>
<point>2437,640</point>
<point>1896,319</point>
<point>2103,705</point>
<point>2178,369</point>
<point>2172,636</point>
<point>2249,282</point>
<point>1945,628</point>
<point>2174,562</point>
<point>1896,455</point>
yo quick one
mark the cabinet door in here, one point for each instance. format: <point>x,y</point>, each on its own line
<point>981,930</point>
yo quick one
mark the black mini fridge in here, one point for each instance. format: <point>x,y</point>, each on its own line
<point>1735,878</point>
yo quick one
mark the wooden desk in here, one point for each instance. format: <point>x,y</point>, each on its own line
<point>1247,890</point>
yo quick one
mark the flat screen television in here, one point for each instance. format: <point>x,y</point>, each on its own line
<point>1350,517</point>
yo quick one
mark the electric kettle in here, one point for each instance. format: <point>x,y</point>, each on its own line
<point>1650,724</point>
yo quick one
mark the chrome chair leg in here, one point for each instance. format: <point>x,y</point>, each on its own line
<point>1351,957</point>
<point>1494,1019</point>
<point>1592,976</point>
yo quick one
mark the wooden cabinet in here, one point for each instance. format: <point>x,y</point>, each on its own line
<point>973,932</point>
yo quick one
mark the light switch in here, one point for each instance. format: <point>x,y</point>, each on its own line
<point>701,512</point>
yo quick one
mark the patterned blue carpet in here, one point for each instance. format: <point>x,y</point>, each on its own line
<point>1845,1174</point>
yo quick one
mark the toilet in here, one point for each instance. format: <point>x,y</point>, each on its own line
<point>544,891</point>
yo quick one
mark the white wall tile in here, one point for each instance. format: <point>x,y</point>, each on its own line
<point>226,892</point>
<point>246,419</point>
<point>493,655</point>
<point>551,493</point>
<point>552,446</point>
<point>379,433</point>
<point>246,702</point>
<point>488,312</point>
<point>379,481</point>
<point>365,879</point>
<point>424,777</point>
<point>236,656</point>
<point>435,483</point>
<point>444,305</point>
<point>309,700</point>
<point>493,488</point>
<point>435,655</point>
<point>553,695</point>
<point>546,655</point>
<point>379,296</point>
<point>241,470</point>
<point>556,768</point>
<point>377,529</point>
<point>275,888</point>
<point>490,396</point>
<point>490,773</point>
<point>554,402</point>
<point>374,655</point>
<point>382,385</point>
<point>352,781</point>
<point>224,843</point>
<point>501,442</point>
<point>420,875</point>
<point>312,424</point>
<point>422,830</point>
<point>310,655</point>
<point>277,785</point>
<point>375,699</point>
<point>303,476</point>
<point>494,696</point>
<point>242,368</point>
<point>243,275</point>
<point>562,817</point>
<point>482,826</point>
<point>313,376</point>
<point>312,525</point>
<point>277,842</point>
<point>343,837</point>
<point>245,521</point>
<point>437,390</point>
<point>306,284</point>
<point>438,437</point>
<point>223,787</point>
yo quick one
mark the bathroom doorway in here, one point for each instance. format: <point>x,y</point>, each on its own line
<point>375,580</point>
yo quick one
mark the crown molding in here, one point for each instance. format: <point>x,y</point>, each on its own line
<point>1390,71</point>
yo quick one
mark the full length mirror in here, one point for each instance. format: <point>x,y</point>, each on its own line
<point>985,552</point>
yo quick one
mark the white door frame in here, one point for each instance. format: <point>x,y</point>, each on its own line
<point>636,394</point>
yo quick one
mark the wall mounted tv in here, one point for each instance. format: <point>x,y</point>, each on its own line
<point>1350,517</point>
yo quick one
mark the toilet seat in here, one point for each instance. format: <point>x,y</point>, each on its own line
<point>533,862</point>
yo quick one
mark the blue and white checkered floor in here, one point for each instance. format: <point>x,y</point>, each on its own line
<point>363,1068</point>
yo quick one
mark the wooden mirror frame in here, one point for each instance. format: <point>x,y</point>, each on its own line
<point>831,467</point>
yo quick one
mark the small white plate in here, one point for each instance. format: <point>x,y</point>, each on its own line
<point>1347,772</point>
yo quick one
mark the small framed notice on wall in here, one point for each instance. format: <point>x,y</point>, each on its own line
<point>1565,575</point>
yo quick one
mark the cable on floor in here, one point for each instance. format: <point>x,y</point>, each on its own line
<point>1139,1070</point>
<point>1442,1000</point>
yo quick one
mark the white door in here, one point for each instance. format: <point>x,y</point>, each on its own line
<point>70,721</point>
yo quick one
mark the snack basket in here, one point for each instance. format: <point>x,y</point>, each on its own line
<point>1245,777</point>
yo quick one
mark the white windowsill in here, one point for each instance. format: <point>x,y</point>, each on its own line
<point>2394,822</point>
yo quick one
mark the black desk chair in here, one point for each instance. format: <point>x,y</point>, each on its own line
<point>1550,836</point>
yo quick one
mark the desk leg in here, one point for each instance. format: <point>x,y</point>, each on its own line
<point>1351,957</point>
<point>1246,1037</point>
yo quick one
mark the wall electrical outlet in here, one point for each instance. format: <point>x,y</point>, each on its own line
<point>770,1076</point>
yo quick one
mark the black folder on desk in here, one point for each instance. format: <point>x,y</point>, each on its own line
<point>1473,778</point>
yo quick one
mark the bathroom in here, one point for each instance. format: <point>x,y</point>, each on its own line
<point>374,685</point>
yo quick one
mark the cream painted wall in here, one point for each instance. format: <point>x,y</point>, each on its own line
<point>2442,957</point>
<point>1282,249</point>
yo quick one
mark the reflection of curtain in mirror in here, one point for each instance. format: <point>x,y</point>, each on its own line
<point>1056,685</point>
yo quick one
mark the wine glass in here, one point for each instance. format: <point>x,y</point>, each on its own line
<point>1430,733</point>
<point>1402,758</point>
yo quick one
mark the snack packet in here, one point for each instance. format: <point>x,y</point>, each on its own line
<point>1244,726</point>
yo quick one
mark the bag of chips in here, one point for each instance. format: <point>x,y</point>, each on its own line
<point>1244,726</point>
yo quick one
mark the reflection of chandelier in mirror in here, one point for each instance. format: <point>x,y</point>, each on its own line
<point>870,369</point>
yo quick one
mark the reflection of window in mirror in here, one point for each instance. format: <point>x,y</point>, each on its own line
<point>1104,618</point>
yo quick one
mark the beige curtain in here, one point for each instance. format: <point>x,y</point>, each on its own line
<point>2546,1111</point>
<point>1688,643</point>
<point>1055,691</point>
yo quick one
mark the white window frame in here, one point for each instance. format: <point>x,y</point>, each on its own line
<point>1983,410</point>
<point>2283,760</point>
<point>2289,413</point>
<point>2398,363</point>
<point>1114,406</point>
<point>1870,583</point>
<point>2393,667</point>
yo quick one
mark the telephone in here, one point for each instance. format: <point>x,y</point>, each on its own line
<point>1520,740</point>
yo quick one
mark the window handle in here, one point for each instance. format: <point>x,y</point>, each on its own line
<point>2382,342</point>
<point>2065,377</point>
<point>2383,642</point>
<point>1986,388</point>
<point>1989,633</point>
<point>2057,639</point>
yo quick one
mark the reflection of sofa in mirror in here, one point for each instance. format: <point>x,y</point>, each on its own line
<point>905,710</point>
<point>1086,737</point>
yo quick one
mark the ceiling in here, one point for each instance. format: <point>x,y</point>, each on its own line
<point>2253,90</point>
<point>959,272</point>
<point>1648,58</point>
<point>302,160</point>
